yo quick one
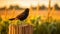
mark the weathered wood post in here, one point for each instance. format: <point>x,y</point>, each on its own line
<point>11,29</point>
<point>20,29</point>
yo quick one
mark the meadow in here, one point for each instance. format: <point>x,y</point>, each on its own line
<point>6,14</point>
<point>36,18</point>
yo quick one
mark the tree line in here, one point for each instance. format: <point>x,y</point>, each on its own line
<point>40,7</point>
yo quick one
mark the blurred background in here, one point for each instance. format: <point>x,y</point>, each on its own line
<point>43,14</point>
<point>11,8</point>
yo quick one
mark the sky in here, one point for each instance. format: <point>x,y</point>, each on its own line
<point>28,3</point>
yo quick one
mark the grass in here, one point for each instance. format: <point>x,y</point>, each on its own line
<point>40,26</point>
<point>44,28</point>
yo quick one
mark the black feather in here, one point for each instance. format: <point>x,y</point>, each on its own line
<point>12,19</point>
<point>22,16</point>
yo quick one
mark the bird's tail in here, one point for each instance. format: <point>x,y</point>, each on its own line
<point>12,19</point>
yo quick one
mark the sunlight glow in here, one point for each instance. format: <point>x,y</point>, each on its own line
<point>27,3</point>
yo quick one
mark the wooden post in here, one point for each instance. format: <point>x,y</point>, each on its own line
<point>20,29</point>
<point>11,29</point>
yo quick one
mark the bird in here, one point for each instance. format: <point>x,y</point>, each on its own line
<point>21,16</point>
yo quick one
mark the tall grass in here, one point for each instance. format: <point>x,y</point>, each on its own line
<point>4,26</point>
<point>52,27</point>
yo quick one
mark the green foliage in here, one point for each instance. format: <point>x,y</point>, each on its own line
<point>52,27</point>
<point>48,27</point>
<point>36,23</point>
<point>0,19</point>
<point>4,27</point>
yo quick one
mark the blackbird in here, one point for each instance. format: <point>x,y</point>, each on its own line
<point>21,16</point>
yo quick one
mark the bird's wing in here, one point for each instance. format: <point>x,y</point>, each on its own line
<point>20,15</point>
<point>12,19</point>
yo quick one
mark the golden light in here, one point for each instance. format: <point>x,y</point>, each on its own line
<point>27,3</point>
